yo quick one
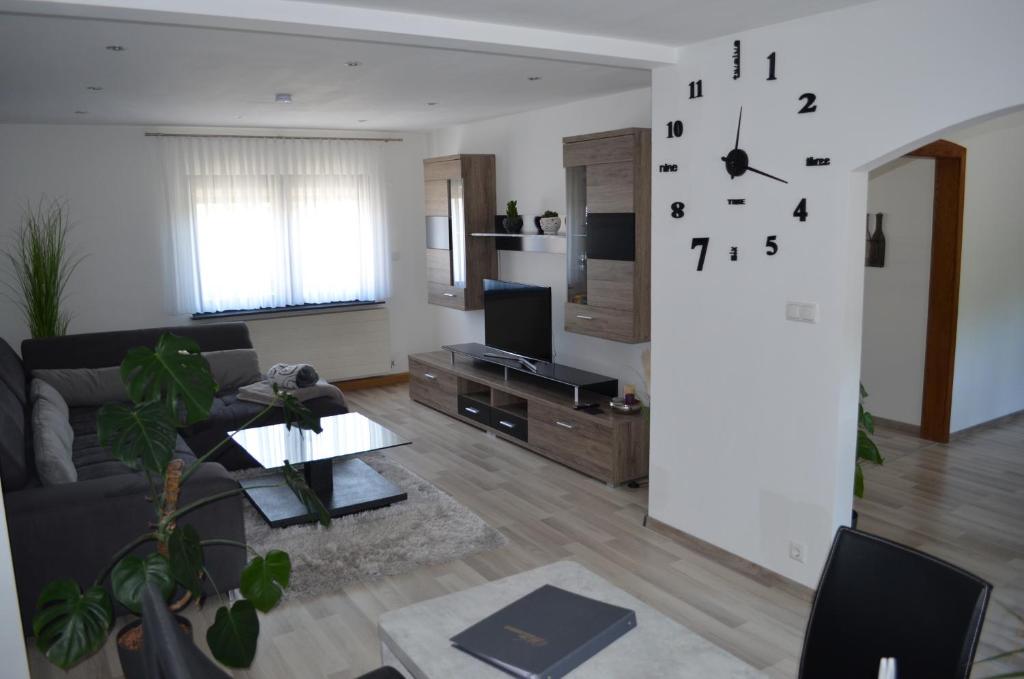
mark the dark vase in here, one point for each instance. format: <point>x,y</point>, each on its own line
<point>513,224</point>
<point>536,223</point>
<point>132,663</point>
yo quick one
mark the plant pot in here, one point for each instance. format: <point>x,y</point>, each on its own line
<point>512,224</point>
<point>130,642</point>
<point>550,225</point>
<point>536,223</point>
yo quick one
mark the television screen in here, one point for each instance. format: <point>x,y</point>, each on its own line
<point>517,318</point>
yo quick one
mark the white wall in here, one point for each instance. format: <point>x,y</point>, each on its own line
<point>989,377</point>
<point>753,432</point>
<point>113,184</point>
<point>12,639</point>
<point>896,295</point>
<point>528,150</point>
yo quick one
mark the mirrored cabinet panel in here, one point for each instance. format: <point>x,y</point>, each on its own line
<point>459,199</point>
<point>607,177</point>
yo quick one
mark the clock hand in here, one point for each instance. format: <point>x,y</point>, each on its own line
<point>738,124</point>
<point>765,174</point>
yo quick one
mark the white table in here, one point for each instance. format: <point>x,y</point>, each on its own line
<point>414,639</point>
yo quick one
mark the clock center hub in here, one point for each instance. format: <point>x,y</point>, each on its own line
<point>737,162</point>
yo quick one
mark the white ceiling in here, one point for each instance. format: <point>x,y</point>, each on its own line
<point>176,75</point>
<point>668,22</point>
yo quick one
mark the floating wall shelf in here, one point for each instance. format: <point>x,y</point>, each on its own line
<point>526,242</point>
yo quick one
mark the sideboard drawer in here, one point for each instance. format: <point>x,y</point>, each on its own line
<point>432,387</point>
<point>475,410</point>
<point>511,425</point>
<point>446,295</point>
<point>574,441</point>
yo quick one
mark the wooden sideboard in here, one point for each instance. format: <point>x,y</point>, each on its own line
<point>539,416</point>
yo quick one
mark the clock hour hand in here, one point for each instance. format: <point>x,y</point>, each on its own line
<point>765,174</point>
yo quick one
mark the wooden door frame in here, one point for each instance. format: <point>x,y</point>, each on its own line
<point>944,285</point>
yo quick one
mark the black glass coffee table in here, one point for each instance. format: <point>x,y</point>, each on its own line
<point>344,483</point>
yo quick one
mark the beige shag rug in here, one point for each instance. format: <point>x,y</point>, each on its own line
<point>427,529</point>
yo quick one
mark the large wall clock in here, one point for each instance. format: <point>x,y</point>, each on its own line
<point>745,167</point>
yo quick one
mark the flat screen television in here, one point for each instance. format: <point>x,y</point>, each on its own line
<point>517,318</point>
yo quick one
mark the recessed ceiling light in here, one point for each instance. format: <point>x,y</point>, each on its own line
<point>81,113</point>
<point>431,103</point>
<point>283,98</point>
<point>534,77</point>
<point>116,48</point>
<point>94,88</point>
<point>353,64</point>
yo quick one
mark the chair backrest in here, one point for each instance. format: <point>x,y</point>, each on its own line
<point>877,598</point>
<point>167,652</point>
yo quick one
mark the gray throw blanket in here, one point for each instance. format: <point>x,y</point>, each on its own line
<point>263,392</point>
<point>293,375</point>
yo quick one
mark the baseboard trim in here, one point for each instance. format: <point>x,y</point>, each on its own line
<point>734,563</point>
<point>905,427</point>
<point>974,428</point>
<point>371,382</point>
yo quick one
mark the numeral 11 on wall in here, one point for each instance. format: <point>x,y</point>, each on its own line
<point>696,89</point>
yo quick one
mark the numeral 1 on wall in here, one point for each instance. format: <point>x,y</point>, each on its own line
<point>696,89</point>
<point>701,243</point>
<point>771,66</point>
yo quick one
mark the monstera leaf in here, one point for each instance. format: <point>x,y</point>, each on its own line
<point>186,558</point>
<point>173,373</point>
<point>140,436</point>
<point>305,494</point>
<point>295,413</point>
<point>132,573</point>
<point>70,624</point>
<point>263,580</point>
<point>232,636</point>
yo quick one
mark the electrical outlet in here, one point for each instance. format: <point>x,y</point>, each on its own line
<point>797,552</point>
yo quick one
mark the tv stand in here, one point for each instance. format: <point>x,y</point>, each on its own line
<point>535,410</point>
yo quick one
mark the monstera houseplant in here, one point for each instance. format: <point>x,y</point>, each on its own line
<point>866,448</point>
<point>42,264</point>
<point>170,386</point>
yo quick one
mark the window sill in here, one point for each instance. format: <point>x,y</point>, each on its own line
<point>279,312</point>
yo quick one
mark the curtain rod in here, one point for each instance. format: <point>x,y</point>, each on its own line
<point>264,136</point>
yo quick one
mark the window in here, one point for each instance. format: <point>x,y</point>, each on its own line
<point>264,223</point>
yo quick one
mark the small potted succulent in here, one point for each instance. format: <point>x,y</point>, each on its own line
<point>513,222</point>
<point>550,222</point>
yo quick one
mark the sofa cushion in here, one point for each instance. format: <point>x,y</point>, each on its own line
<point>86,386</point>
<point>233,368</point>
<point>52,436</point>
<point>93,460</point>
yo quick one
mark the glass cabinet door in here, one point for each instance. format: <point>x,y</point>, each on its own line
<point>576,232</point>
<point>457,217</point>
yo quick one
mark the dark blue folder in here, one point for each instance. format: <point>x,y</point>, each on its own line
<point>546,634</point>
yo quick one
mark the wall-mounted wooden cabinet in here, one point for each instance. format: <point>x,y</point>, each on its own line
<point>608,222</point>
<point>459,200</point>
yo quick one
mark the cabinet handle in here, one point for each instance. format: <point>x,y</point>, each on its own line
<point>448,294</point>
<point>586,318</point>
<point>507,425</point>
<point>430,376</point>
<point>472,411</point>
<point>564,424</point>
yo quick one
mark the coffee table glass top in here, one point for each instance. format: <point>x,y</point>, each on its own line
<point>343,436</point>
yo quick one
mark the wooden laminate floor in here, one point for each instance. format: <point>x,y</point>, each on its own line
<point>963,502</point>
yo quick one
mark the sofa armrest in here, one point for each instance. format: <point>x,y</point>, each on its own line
<point>73,530</point>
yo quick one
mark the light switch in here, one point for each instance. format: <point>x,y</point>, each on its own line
<point>802,312</point>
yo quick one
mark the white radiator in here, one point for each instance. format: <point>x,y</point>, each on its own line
<point>340,345</point>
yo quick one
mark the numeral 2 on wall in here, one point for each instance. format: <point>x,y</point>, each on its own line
<point>809,106</point>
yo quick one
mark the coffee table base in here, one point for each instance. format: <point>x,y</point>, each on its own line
<point>357,487</point>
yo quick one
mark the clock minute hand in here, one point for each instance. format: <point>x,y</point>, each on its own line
<point>738,124</point>
<point>765,174</point>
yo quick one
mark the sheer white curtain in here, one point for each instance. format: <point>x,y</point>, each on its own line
<point>258,223</point>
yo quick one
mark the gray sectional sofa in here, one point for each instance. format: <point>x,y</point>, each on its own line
<point>73,529</point>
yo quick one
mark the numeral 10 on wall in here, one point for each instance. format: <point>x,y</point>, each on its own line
<point>675,128</point>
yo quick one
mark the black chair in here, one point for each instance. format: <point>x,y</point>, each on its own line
<point>878,599</point>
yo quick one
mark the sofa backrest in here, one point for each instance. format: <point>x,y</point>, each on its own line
<point>14,458</point>
<point>103,349</point>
